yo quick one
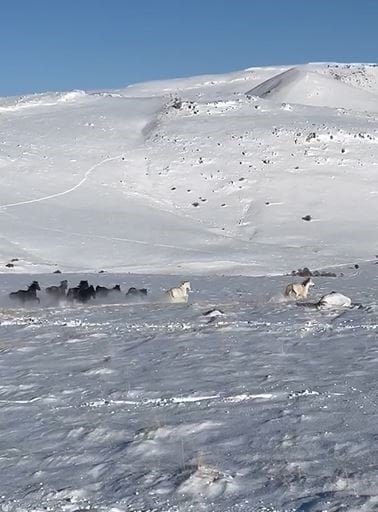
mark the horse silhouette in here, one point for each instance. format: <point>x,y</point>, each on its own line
<point>29,295</point>
<point>102,291</point>
<point>57,291</point>
<point>82,293</point>
<point>135,293</point>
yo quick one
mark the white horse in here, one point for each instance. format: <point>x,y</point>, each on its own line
<point>299,290</point>
<point>180,293</point>
<point>334,300</point>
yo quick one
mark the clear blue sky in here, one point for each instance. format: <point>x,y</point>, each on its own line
<point>90,44</point>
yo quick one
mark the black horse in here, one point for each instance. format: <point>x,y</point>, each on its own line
<point>29,295</point>
<point>82,293</point>
<point>57,291</point>
<point>136,293</point>
<point>102,291</point>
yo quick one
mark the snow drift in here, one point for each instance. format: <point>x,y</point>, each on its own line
<point>307,87</point>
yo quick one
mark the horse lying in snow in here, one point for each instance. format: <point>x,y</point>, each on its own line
<point>334,300</point>
<point>29,295</point>
<point>180,293</point>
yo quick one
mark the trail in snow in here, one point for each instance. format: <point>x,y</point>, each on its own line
<point>68,191</point>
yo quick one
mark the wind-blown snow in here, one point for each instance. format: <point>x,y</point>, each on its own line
<point>240,400</point>
<point>156,407</point>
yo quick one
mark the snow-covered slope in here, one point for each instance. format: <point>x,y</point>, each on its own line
<point>304,85</point>
<point>194,175</point>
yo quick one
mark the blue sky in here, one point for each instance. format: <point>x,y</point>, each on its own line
<point>91,44</point>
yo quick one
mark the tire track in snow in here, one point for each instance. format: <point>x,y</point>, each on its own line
<point>64,192</point>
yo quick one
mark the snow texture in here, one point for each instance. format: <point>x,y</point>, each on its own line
<point>240,400</point>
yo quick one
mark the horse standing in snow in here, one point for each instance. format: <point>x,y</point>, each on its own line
<point>299,290</point>
<point>180,293</point>
<point>29,295</point>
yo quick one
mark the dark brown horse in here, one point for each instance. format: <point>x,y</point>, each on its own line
<point>82,293</point>
<point>57,291</point>
<point>102,291</point>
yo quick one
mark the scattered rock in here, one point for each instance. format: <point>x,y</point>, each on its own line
<point>307,217</point>
<point>196,203</point>
<point>9,265</point>
<point>302,272</point>
<point>176,103</point>
<point>57,271</point>
<point>306,272</point>
<point>318,273</point>
<point>310,136</point>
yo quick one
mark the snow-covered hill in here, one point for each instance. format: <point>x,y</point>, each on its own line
<point>197,175</point>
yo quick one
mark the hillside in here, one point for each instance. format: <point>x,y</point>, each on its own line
<point>197,175</point>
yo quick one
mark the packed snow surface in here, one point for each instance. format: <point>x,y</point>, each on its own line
<point>240,400</point>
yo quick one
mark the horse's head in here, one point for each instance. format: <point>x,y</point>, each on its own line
<point>308,282</point>
<point>64,284</point>
<point>117,287</point>
<point>185,285</point>
<point>83,284</point>
<point>34,286</point>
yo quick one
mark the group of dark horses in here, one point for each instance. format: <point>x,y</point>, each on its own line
<point>84,292</point>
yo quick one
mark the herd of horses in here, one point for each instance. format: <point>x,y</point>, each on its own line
<point>84,292</point>
<point>81,293</point>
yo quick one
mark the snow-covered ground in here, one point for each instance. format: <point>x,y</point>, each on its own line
<point>155,407</point>
<point>230,181</point>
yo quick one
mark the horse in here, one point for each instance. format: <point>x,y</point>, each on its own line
<point>102,291</point>
<point>136,293</point>
<point>180,293</point>
<point>57,291</point>
<point>82,293</point>
<point>29,295</point>
<point>299,290</point>
<point>334,300</point>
